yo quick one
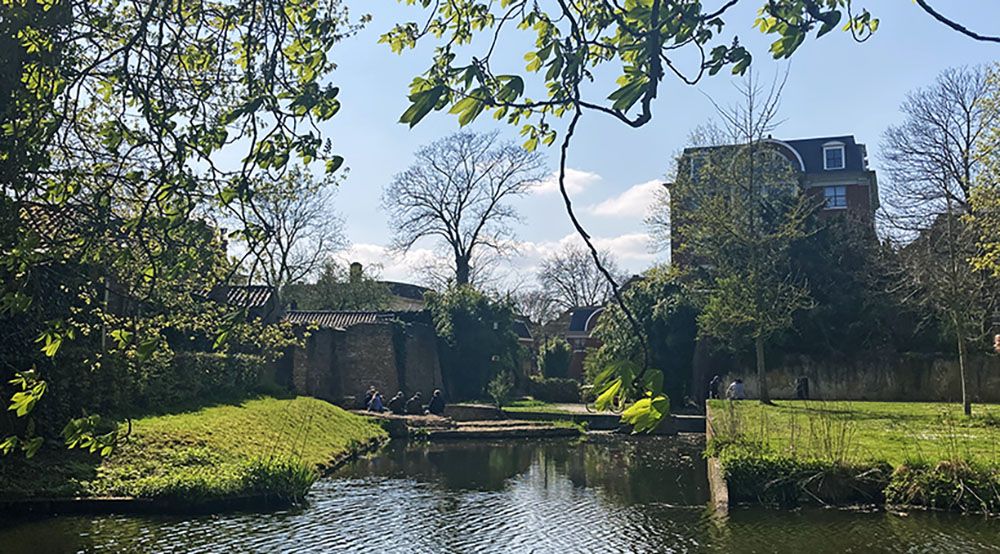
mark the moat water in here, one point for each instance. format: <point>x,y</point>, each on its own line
<point>606,494</point>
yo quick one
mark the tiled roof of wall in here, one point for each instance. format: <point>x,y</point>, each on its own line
<point>249,296</point>
<point>337,320</point>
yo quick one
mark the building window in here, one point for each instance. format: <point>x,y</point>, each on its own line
<point>836,197</point>
<point>833,156</point>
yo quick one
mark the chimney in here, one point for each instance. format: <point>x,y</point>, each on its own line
<point>356,270</point>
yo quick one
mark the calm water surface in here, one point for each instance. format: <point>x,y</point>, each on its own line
<point>612,494</point>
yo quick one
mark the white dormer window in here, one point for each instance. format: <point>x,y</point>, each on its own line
<point>833,155</point>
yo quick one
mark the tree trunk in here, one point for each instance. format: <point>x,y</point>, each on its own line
<point>966,404</point>
<point>765,397</point>
<point>462,270</point>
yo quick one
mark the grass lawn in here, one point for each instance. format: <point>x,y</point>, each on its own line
<point>894,432</point>
<point>215,451</point>
<point>531,405</point>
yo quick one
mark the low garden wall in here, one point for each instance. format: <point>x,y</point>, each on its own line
<point>903,378</point>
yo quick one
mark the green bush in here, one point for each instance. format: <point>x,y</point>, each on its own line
<point>955,486</point>
<point>191,377</point>
<point>499,388</point>
<point>554,390</point>
<point>553,358</point>
<point>476,339</point>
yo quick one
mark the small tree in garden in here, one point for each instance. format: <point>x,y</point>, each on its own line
<point>553,358</point>
<point>740,209</point>
<point>500,387</point>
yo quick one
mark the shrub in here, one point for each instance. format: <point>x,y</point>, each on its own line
<point>499,388</point>
<point>553,358</point>
<point>191,377</point>
<point>475,338</point>
<point>554,390</point>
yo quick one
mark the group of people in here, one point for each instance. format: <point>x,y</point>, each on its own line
<point>736,391</point>
<point>400,405</point>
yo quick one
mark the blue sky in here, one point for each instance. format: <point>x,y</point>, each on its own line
<point>835,87</point>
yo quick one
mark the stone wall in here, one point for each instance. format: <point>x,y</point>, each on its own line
<point>908,377</point>
<point>339,365</point>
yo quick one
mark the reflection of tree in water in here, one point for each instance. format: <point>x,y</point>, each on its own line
<point>627,470</point>
<point>633,470</point>
<point>454,465</point>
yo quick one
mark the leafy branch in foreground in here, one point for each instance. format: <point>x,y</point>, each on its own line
<point>644,41</point>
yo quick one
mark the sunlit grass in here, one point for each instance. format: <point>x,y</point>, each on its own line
<point>217,451</point>
<point>894,432</point>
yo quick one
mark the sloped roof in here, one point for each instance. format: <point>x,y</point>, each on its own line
<point>54,223</point>
<point>579,318</point>
<point>406,290</point>
<point>811,151</point>
<point>522,330</point>
<point>249,296</point>
<point>337,319</point>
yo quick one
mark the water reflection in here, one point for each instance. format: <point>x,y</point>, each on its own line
<point>608,494</point>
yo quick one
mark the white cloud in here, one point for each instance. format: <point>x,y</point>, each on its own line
<point>391,266</point>
<point>632,251</point>
<point>576,181</point>
<point>634,202</point>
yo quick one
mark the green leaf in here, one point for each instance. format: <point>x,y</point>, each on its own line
<point>646,413</point>
<point>421,104</point>
<point>607,399</point>
<point>334,163</point>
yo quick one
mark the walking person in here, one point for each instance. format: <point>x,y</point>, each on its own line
<point>736,390</point>
<point>713,387</point>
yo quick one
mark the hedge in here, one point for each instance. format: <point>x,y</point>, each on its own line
<point>554,390</point>
<point>197,376</point>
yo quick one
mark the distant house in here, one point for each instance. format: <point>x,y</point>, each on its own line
<point>406,296</point>
<point>834,170</point>
<point>576,326</point>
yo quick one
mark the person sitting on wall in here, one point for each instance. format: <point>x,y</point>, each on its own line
<point>414,406</point>
<point>713,386</point>
<point>368,396</point>
<point>736,390</point>
<point>376,404</point>
<point>436,405</point>
<point>398,404</point>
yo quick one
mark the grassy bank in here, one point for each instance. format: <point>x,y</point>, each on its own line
<point>263,446</point>
<point>925,454</point>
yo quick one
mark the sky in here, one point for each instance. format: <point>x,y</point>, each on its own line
<point>835,87</point>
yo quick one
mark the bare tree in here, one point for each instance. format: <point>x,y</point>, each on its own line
<point>934,160</point>
<point>298,228</point>
<point>485,271</point>
<point>536,305</point>
<point>570,277</point>
<point>457,192</point>
<point>931,158</point>
<point>936,275</point>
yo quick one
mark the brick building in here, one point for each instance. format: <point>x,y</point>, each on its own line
<point>833,170</point>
